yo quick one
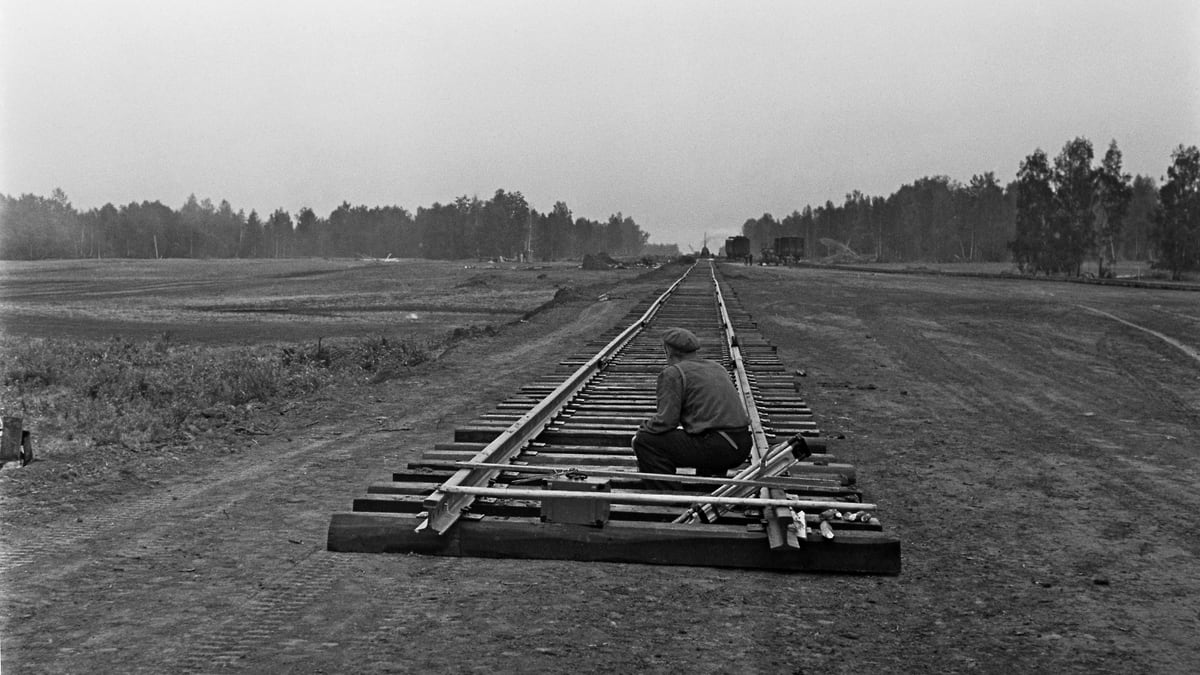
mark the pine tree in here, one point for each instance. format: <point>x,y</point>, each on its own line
<point>1177,221</point>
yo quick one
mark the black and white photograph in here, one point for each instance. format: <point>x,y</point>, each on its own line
<point>565,336</point>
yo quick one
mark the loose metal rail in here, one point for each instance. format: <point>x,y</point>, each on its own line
<point>762,517</point>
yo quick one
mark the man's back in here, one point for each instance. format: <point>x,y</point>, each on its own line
<point>709,400</point>
<point>696,394</point>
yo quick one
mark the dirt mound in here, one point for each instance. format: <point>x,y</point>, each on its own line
<point>599,261</point>
<point>473,282</point>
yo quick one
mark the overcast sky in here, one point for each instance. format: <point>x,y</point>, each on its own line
<point>688,116</point>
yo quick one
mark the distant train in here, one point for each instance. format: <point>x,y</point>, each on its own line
<point>783,250</point>
<point>737,248</point>
<point>789,249</point>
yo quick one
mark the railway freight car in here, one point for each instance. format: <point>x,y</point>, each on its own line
<point>789,249</point>
<point>738,248</point>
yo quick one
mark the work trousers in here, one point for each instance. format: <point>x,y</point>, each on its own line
<point>710,453</point>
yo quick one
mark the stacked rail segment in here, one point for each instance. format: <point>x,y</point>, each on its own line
<point>482,495</point>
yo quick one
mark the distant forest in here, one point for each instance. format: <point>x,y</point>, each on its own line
<point>1052,217</point>
<point>34,227</point>
<point>1049,219</point>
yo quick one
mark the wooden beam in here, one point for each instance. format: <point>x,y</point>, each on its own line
<point>643,543</point>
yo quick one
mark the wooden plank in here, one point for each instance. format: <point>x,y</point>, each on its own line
<point>474,448</point>
<point>389,503</point>
<point>407,503</point>
<point>643,543</point>
<point>588,417</point>
<point>387,533</point>
<point>555,435</point>
<point>697,545</point>
<point>796,419</point>
<point>559,431</point>
<point>398,488</point>
<point>432,475</point>
<point>565,460</point>
<point>614,450</point>
<point>811,486</point>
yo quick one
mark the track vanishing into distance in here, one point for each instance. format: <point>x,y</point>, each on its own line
<point>550,472</point>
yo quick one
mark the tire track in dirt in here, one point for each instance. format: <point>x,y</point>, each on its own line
<point>137,555</point>
<point>221,535</point>
<point>53,542</point>
<point>1046,416</point>
<point>72,291</point>
<point>275,607</point>
<point>274,610</point>
<point>1195,355</point>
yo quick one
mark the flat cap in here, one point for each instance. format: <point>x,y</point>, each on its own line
<point>681,339</point>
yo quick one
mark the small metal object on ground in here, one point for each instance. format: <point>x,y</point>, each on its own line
<point>16,443</point>
<point>577,511</point>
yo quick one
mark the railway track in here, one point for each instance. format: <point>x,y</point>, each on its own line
<point>550,473</point>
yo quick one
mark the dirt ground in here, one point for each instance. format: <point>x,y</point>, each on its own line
<point>265,300</point>
<point>1033,448</point>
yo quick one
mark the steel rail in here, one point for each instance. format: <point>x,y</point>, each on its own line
<point>776,516</point>
<point>536,469</point>
<point>656,498</point>
<point>444,506</point>
<point>761,453</point>
<point>761,446</point>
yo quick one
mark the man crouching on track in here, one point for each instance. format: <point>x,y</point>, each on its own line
<point>696,394</point>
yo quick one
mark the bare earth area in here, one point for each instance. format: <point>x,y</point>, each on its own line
<point>1033,444</point>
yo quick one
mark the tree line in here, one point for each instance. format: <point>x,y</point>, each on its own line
<point>1051,218</point>
<point>504,226</point>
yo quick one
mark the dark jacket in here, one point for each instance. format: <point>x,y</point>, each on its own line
<point>697,394</point>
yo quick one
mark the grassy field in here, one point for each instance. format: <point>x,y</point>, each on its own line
<point>1124,269</point>
<point>256,301</point>
<point>162,355</point>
